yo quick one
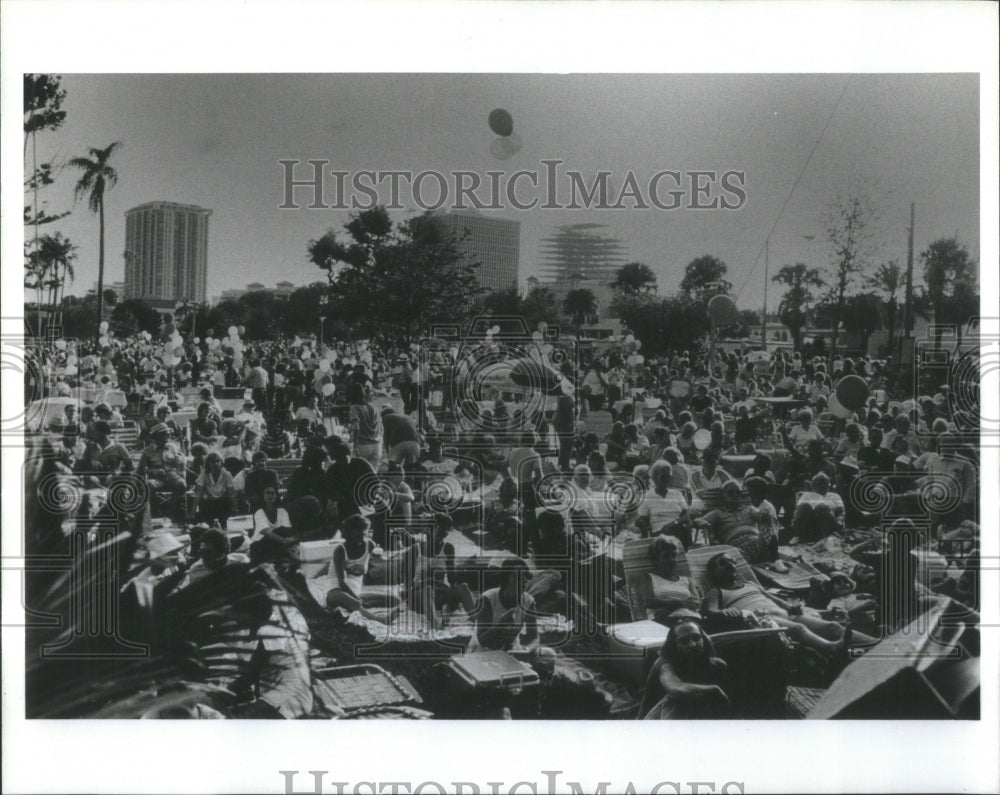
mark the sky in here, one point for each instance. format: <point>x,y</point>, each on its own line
<point>216,141</point>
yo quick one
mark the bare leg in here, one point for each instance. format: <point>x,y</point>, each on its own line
<point>340,598</point>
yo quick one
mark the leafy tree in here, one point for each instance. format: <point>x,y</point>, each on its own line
<point>134,315</point>
<point>393,282</point>
<point>951,278</point>
<point>705,277</point>
<point>862,316</point>
<point>98,177</point>
<point>670,323</point>
<point>793,310</point>
<point>581,305</point>
<point>634,278</point>
<point>110,298</point>
<point>43,98</point>
<point>848,233</point>
<point>887,280</point>
<point>541,305</point>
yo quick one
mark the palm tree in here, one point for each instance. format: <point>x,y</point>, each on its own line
<point>580,304</point>
<point>55,253</point>
<point>888,280</point>
<point>795,305</point>
<point>97,178</point>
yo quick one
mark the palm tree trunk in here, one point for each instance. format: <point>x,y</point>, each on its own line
<point>100,271</point>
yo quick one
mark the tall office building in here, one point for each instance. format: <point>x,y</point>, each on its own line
<point>166,252</point>
<point>582,256</point>
<point>492,242</point>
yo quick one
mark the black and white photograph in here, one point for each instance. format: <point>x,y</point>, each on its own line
<point>467,396</point>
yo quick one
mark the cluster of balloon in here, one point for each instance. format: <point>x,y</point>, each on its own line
<point>329,389</point>
<point>636,359</point>
<point>509,142</point>
<point>851,392</point>
<point>722,311</point>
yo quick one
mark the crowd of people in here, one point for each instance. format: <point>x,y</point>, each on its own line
<point>459,498</point>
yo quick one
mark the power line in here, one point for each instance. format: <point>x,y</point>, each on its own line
<point>784,206</point>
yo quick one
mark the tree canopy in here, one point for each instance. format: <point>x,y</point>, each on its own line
<point>705,277</point>
<point>395,281</point>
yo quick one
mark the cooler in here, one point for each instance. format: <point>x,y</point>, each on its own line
<point>496,670</point>
<point>633,647</point>
<point>315,556</point>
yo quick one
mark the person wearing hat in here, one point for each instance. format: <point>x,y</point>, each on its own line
<point>103,456</point>
<point>162,463</point>
<point>738,525</point>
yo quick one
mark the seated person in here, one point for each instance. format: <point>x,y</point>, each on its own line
<point>252,482</point>
<point>271,517</point>
<point>433,588</point>
<point>348,569</point>
<point>203,427</point>
<point>214,556</point>
<point>818,512</point>
<point>503,518</point>
<point>559,555</point>
<point>214,492</point>
<point>506,613</point>
<point>162,463</point>
<point>663,509</point>
<point>686,680</point>
<point>737,525</point>
<point>735,604</point>
<point>196,463</point>
<point>103,456</point>
<point>664,590</point>
<point>799,436</point>
<point>710,475</point>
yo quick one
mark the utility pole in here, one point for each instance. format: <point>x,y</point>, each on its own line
<point>767,254</point>
<point>908,314</point>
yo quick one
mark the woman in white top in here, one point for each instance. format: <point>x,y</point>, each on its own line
<point>270,516</point>
<point>348,569</point>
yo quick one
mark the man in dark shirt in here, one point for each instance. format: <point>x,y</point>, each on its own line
<point>400,437</point>
<point>258,478</point>
<point>349,480</point>
<point>701,400</point>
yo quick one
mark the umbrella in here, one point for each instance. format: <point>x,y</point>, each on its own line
<point>537,376</point>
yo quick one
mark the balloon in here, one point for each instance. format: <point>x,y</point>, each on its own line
<point>232,331</point>
<point>629,339</point>
<point>70,370</point>
<point>495,329</point>
<point>702,438</point>
<point>328,389</point>
<point>501,122</point>
<point>640,359</point>
<point>71,360</point>
<point>638,344</point>
<point>501,149</point>
<point>179,351</point>
<point>836,409</point>
<point>60,345</point>
<point>324,364</point>
<point>103,328</point>
<point>852,392</point>
<point>722,310</point>
<point>103,342</point>
<point>242,330</point>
